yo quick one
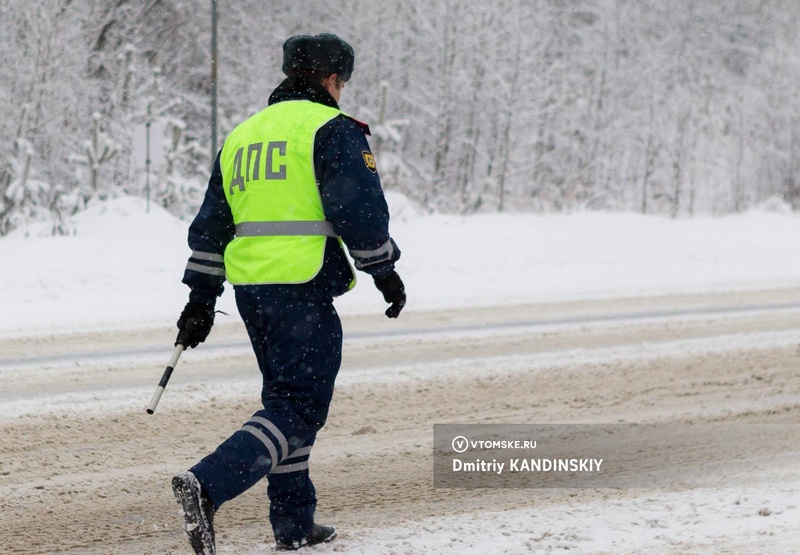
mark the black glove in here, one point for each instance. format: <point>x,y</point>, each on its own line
<point>195,323</point>
<point>393,292</point>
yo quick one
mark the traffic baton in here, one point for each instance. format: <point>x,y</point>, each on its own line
<point>176,354</point>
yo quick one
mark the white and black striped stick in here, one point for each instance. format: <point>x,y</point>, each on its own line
<point>176,354</point>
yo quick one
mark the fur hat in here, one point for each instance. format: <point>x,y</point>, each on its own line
<point>326,52</point>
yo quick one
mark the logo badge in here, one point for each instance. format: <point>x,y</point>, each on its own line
<point>369,161</point>
<point>460,444</point>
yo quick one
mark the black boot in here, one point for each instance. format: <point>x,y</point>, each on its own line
<point>319,534</point>
<point>197,511</point>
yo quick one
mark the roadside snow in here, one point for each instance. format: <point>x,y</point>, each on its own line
<point>653,522</point>
<point>123,266</point>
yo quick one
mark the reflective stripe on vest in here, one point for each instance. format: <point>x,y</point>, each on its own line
<point>266,229</point>
<point>270,183</point>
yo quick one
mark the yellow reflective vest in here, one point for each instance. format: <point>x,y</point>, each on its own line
<point>269,180</point>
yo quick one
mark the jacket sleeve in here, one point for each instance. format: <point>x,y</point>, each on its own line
<point>352,196</point>
<point>209,234</point>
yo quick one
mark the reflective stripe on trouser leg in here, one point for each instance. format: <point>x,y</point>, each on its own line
<point>292,496</point>
<point>241,460</point>
<point>296,461</point>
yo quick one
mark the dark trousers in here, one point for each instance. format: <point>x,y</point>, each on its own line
<point>298,346</point>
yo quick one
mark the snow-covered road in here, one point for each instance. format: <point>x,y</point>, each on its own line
<point>85,470</point>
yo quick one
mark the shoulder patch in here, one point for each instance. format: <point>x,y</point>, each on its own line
<point>369,161</point>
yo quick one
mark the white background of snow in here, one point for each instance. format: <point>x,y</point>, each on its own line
<point>697,522</point>
<point>123,267</point>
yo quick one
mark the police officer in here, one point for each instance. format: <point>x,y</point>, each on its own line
<point>292,187</point>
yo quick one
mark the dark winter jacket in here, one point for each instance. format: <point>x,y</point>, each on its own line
<point>352,198</point>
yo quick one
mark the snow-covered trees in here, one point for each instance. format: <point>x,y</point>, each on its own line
<point>75,84</point>
<point>672,108</point>
<point>563,104</point>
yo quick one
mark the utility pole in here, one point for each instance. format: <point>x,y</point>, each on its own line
<point>147,125</point>
<point>213,81</point>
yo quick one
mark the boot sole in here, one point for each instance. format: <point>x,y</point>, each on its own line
<point>198,530</point>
